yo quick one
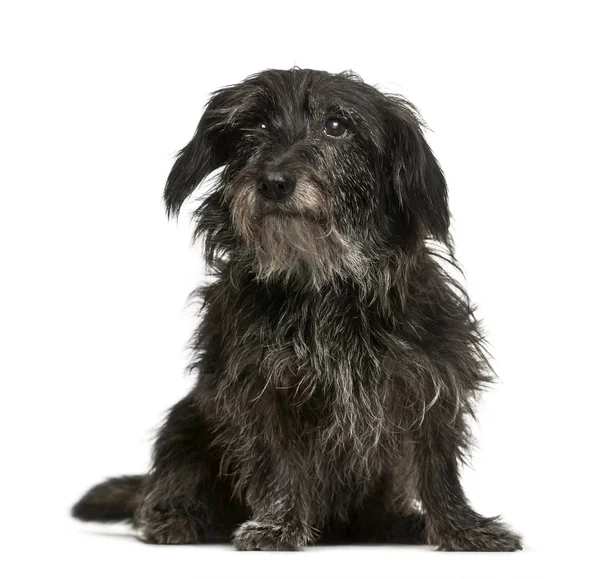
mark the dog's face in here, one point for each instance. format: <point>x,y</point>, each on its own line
<point>320,173</point>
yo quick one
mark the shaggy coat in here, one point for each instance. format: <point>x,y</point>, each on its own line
<point>337,361</point>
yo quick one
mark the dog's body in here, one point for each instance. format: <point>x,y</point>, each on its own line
<point>337,362</point>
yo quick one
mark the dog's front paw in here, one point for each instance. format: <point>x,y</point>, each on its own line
<point>483,535</point>
<point>267,536</point>
<point>167,528</point>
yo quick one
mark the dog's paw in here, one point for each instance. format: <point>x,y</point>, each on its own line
<point>267,536</point>
<point>484,535</point>
<point>167,528</point>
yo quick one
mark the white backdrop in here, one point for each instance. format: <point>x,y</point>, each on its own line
<point>97,97</point>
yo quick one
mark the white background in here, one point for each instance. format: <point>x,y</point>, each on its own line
<point>96,99</point>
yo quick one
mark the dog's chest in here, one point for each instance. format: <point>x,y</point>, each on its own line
<point>314,344</point>
<point>314,366</point>
<point>309,377</point>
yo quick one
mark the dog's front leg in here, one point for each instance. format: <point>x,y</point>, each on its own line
<point>451,523</point>
<point>282,512</point>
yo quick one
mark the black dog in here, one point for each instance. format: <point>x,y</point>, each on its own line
<point>337,362</point>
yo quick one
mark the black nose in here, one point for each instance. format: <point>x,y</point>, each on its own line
<point>275,185</point>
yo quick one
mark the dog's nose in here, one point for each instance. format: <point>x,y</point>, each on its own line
<point>275,185</point>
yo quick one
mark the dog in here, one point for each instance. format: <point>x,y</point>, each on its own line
<point>338,362</point>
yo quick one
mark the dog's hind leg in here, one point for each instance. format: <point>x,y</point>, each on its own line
<point>186,501</point>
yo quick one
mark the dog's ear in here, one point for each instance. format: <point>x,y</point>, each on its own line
<point>418,178</point>
<point>209,149</point>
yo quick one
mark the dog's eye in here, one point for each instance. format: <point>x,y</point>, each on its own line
<point>262,125</point>
<point>335,127</point>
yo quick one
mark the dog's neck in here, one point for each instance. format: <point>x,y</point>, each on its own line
<point>381,281</point>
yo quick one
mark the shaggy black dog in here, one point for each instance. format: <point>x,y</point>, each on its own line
<point>337,362</point>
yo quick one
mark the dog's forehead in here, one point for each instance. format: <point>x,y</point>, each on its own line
<point>308,91</point>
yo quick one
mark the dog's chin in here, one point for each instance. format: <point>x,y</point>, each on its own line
<point>295,245</point>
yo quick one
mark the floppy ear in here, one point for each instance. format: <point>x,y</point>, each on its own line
<point>418,178</point>
<point>209,149</point>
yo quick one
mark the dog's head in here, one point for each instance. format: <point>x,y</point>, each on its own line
<point>320,172</point>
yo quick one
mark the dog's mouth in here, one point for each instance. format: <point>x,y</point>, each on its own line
<point>276,209</point>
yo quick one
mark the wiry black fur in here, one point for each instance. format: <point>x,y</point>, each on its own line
<point>337,362</point>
